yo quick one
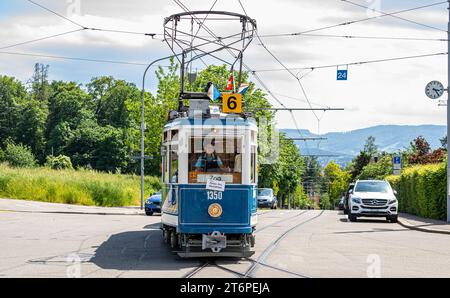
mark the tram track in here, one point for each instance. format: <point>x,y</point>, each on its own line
<point>268,251</point>
<point>264,255</point>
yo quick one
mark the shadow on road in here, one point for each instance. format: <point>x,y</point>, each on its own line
<point>138,250</point>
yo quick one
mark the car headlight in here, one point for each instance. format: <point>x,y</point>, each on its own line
<point>356,200</point>
<point>393,201</point>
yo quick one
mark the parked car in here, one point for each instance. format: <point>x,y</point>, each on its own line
<point>153,204</point>
<point>347,196</point>
<point>266,198</point>
<point>373,198</point>
<point>340,204</point>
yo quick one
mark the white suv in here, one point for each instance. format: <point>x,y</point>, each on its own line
<point>373,198</point>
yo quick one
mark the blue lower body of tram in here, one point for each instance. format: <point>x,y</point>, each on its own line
<point>192,231</point>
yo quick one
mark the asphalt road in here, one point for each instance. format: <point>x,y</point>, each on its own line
<point>288,244</point>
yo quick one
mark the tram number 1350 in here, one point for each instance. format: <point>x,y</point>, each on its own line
<point>214,195</point>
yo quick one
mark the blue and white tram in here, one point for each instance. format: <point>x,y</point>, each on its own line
<point>210,177</point>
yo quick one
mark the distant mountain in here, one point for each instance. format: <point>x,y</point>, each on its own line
<point>347,145</point>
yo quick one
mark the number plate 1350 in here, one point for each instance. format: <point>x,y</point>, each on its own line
<point>214,195</point>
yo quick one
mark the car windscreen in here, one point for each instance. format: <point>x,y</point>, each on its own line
<point>264,192</point>
<point>372,187</point>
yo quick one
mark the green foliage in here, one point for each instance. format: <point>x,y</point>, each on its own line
<point>83,187</point>
<point>60,162</point>
<point>364,157</point>
<point>325,202</point>
<point>18,155</point>
<point>422,190</point>
<point>444,142</point>
<point>378,170</point>
<point>312,177</point>
<point>337,182</point>
<point>370,147</point>
<point>12,95</point>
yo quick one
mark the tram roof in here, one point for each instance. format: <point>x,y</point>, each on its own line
<point>225,121</point>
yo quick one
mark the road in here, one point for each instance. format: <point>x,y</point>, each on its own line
<point>289,244</point>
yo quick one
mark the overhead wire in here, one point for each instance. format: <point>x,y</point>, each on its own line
<point>355,63</point>
<point>401,18</point>
<point>76,58</point>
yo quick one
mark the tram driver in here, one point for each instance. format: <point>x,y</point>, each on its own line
<point>209,161</point>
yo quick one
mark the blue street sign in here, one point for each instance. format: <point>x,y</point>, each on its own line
<point>342,74</point>
<point>397,160</point>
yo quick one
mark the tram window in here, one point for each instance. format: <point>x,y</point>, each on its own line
<point>165,137</point>
<point>174,135</point>
<point>173,164</point>
<point>219,157</point>
<point>253,165</point>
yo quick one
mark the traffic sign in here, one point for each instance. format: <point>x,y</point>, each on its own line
<point>397,164</point>
<point>232,103</point>
<point>342,74</point>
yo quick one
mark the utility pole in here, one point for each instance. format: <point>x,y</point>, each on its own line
<point>143,126</point>
<point>448,119</point>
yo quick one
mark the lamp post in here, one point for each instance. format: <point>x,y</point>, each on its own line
<point>143,127</point>
<point>448,121</point>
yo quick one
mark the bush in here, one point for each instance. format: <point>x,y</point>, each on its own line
<point>422,190</point>
<point>60,162</point>
<point>18,155</point>
<point>377,170</point>
<point>82,187</point>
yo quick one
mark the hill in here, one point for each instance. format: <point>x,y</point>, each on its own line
<point>346,145</point>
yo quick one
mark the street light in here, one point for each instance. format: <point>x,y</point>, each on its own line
<point>143,123</point>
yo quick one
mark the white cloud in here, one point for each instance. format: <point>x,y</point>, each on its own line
<point>385,93</point>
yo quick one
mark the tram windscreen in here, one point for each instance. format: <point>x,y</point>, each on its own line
<point>222,158</point>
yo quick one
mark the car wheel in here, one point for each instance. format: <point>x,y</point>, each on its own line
<point>166,236</point>
<point>173,240</point>
<point>149,213</point>
<point>393,219</point>
<point>352,217</point>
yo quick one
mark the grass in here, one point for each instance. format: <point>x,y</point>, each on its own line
<point>81,187</point>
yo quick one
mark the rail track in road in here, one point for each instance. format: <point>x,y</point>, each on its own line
<point>264,255</point>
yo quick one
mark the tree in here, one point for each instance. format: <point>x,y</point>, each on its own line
<point>422,153</point>
<point>370,147</point>
<point>31,126</point>
<point>337,182</point>
<point>12,95</point>
<point>312,177</point>
<point>444,143</point>
<point>364,157</point>
<point>40,88</point>
<point>69,106</point>
<point>378,170</point>
<point>110,99</point>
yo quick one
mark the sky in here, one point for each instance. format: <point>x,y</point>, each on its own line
<point>374,94</point>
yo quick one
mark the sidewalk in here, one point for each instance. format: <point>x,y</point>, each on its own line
<point>8,205</point>
<point>423,224</point>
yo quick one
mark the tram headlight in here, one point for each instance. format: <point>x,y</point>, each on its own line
<point>215,210</point>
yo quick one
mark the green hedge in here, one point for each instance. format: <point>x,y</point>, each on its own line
<point>82,187</point>
<point>422,190</point>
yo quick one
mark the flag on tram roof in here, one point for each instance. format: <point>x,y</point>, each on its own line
<point>230,83</point>
<point>213,93</point>
<point>244,88</point>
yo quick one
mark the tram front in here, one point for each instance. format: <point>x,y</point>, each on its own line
<point>210,178</point>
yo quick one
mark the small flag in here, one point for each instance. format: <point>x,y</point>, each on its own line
<point>230,83</point>
<point>213,93</point>
<point>244,88</point>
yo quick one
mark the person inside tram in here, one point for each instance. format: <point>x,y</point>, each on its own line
<point>209,161</point>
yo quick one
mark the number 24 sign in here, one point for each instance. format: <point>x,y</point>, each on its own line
<point>232,103</point>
